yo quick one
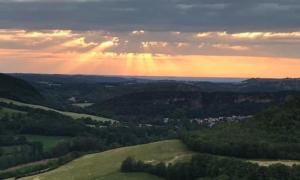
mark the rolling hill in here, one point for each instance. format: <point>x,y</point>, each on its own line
<point>70,114</point>
<point>106,165</point>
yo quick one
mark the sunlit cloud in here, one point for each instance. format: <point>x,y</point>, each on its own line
<point>231,47</point>
<point>181,44</point>
<point>138,32</point>
<point>81,42</point>
<point>250,35</point>
<point>154,44</point>
<point>243,54</point>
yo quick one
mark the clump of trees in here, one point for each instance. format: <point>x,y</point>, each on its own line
<point>212,167</point>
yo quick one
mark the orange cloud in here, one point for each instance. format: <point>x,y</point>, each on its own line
<point>148,64</point>
<point>231,47</point>
<point>63,51</point>
<point>249,35</point>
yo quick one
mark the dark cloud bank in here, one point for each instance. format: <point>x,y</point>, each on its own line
<point>155,15</point>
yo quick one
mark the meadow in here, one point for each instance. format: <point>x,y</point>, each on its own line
<point>106,165</point>
<point>48,142</point>
<point>8,111</point>
<point>70,114</point>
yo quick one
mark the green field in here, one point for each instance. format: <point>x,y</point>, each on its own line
<point>106,165</point>
<point>271,162</point>
<point>8,111</point>
<point>70,114</point>
<point>48,141</point>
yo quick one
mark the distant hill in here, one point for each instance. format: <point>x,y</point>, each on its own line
<point>256,84</point>
<point>61,78</point>
<point>18,89</point>
<point>152,107</point>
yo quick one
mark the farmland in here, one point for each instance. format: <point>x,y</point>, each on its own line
<point>106,165</point>
<point>70,114</point>
<point>48,141</point>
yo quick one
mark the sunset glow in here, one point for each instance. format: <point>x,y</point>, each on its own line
<point>142,53</point>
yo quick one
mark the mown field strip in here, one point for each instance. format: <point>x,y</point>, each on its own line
<point>106,165</point>
<point>70,114</point>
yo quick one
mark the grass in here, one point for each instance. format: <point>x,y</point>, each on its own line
<point>70,114</point>
<point>48,142</point>
<point>106,165</point>
<point>8,111</point>
<point>272,162</point>
<point>83,105</point>
<point>10,150</point>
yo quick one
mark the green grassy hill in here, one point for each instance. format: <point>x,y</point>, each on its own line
<point>106,165</point>
<point>70,114</point>
<point>8,111</point>
<point>48,142</point>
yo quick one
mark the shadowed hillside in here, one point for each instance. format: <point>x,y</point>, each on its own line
<point>18,89</point>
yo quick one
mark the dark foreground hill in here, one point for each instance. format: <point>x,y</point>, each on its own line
<point>17,89</point>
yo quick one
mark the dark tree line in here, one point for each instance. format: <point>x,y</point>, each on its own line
<point>211,167</point>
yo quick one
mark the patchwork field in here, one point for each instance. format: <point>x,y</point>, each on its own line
<point>48,141</point>
<point>106,165</point>
<point>70,114</point>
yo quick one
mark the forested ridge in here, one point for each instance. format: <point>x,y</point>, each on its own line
<point>272,134</point>
<point>18,89</point>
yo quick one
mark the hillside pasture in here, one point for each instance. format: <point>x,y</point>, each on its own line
<point>8,111</point>
<point>106,165</point>
<point>70,114</point>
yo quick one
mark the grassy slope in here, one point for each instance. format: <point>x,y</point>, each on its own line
<point>271,162</point>
<point>48,141</point>
<point>71,114</point>
<point>8,111</point>
<point>106,165</point>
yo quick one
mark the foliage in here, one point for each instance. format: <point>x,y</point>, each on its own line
<point>153,107</point>
<point>106,165</point>
<point>273,134</point>
<point>18,89</point>
<point>78,136</point>
<point>38,168</point>
<point>207,166</point>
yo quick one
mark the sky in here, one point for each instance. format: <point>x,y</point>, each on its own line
<point>192,38</point>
